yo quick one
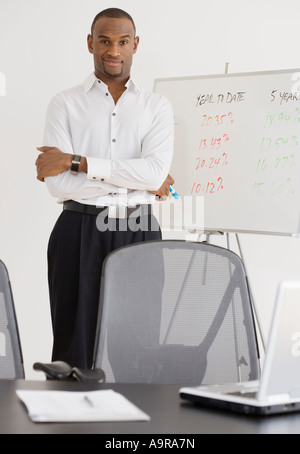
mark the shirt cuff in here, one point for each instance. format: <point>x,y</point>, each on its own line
<point>98,169</point>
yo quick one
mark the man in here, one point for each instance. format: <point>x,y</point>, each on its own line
<point>108,150</point>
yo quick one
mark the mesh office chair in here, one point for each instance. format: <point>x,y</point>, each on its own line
<point>175,312</point>
<point>11,361</point>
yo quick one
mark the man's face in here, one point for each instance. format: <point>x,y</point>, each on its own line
<point>113,45</point>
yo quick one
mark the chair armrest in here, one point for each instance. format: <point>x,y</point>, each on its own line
<point>58,370</point>
<point>89,376</point>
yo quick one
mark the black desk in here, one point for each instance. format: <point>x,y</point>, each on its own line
<point>169,414</point>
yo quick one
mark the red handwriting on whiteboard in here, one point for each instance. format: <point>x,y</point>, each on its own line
<point>211,162</point>
<point>214,143</point>
<point>217,120</point>
<point>209,187</point>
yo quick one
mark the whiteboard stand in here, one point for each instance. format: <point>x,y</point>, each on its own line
<point>257,318</point>
<point>208,235</point>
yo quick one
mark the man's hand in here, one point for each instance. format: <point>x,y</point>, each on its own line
<point>164,190</point>
<point>51,162</point>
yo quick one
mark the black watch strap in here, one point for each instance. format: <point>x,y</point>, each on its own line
<point>75,164</point>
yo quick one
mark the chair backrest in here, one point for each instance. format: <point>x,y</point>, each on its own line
<point>175,312</point>
<point>11,362</point>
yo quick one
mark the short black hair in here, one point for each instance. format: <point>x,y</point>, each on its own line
<point>116,13</point>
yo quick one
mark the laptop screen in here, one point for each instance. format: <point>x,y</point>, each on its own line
<point>281,371</point>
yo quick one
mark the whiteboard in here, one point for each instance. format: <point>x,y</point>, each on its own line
<point>237,147</point>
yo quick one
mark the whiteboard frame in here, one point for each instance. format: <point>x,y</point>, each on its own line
<point>225,75</point>
<point>211,76</point>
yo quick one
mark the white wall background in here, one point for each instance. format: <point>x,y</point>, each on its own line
<point>43,50</point>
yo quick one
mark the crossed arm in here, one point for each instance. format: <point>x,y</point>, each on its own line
<point>52,162</point>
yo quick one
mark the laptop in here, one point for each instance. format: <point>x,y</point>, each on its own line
<point>278,390</point>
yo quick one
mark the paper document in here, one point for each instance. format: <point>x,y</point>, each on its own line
<point>67,406</point>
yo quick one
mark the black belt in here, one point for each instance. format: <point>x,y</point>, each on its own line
<point>112,211</point>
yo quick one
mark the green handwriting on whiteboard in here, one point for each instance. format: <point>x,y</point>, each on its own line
<point>283,119</point>
<point>277,156</point>
<point>284,188</point>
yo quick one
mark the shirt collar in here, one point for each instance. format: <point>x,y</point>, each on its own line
<point>91,80</point>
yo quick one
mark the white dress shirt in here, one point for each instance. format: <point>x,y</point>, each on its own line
<point>128,145</point>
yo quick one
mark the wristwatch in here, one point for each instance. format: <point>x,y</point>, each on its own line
<point>75,164</point>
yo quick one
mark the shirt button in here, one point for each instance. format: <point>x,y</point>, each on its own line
<point>106,94</point>
<point>102,179</point>
<point>114,140</point>
<point>114,114</point>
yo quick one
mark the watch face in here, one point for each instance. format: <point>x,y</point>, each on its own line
<point>75,164</point>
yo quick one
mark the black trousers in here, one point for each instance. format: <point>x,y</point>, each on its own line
<point>76,252</point>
